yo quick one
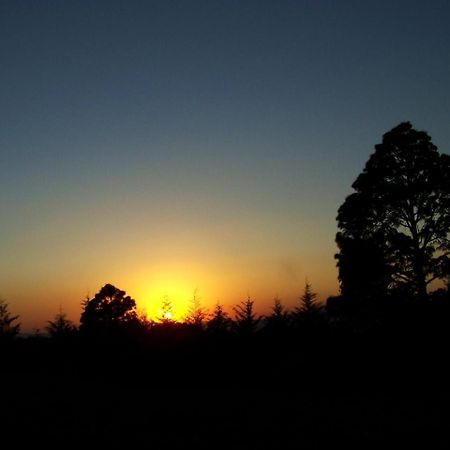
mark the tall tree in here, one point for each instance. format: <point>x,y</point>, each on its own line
<point>220,321</point>
<point>166,315</point>
<point>196,314</point>
<point>309,306</point>
<point>400,213</point>
<point>246,321</point>
<point>8,329</point>
<point>278,321</point>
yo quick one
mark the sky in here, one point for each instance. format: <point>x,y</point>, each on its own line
<point>167,146</point>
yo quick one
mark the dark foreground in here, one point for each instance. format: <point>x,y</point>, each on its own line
<point>365,394</point>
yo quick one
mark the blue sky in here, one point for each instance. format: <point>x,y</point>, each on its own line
<point>198,144</point>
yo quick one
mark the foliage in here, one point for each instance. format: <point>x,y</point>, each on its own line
<point>279,319</point>
<point>145,323</point>
<point>395,227</point>
<point>110,309</point>
<point>309,305</point>
<point>220,322</point>
<point>166,315</point>
<point>8,329</point>
<point>60,327</point>
<point>363,269</point>
<point>196,314</point>
<point>246,321</point>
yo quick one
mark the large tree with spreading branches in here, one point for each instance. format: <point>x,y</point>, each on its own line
<point>394,229</point>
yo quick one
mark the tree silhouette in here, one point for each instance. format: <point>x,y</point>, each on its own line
<point>278,321</point>
<point>220,322</point>
<point>308,317</point>
<point>246,321</point>
<point>145,322</point>
<point>60,327</point>
<point>309,305</point>
<point>363,269</point>
<point>400,212</point>
<point>166,314</point>
<point>196,314</point>
<point>8,329</point>
<point>110,309</point>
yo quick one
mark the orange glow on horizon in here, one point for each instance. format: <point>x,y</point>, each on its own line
<point>176,283</point>
<point>151,283</point>
<point>172,286</point>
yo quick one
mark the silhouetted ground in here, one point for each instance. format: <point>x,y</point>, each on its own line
<point>237,396</point>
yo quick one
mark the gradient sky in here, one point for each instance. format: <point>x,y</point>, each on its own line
<point>164,146</point>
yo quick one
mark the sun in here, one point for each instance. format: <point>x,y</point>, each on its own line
<point>166,298</point>
<point>176,283</point>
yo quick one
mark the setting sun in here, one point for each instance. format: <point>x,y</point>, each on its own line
<point>166,296</point>
<point>168,315</point>
<point>166,306</point>
<point>175,283</point>
<point>225,223</point>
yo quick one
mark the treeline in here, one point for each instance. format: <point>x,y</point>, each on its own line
<point>335,346</point>
<point>112,312</point>
<point>394,272</point>
<point>289,375</point>
<point>112,315</point>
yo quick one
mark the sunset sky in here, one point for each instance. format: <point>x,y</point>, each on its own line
<point>164,146</point>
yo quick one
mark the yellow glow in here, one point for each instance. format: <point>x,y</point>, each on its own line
<point>174,285</point>
<point>153,276</point>
<point>151,284</point>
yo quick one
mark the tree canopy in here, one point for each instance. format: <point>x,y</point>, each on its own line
<point>111,308</point>
<point>394,230</point>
